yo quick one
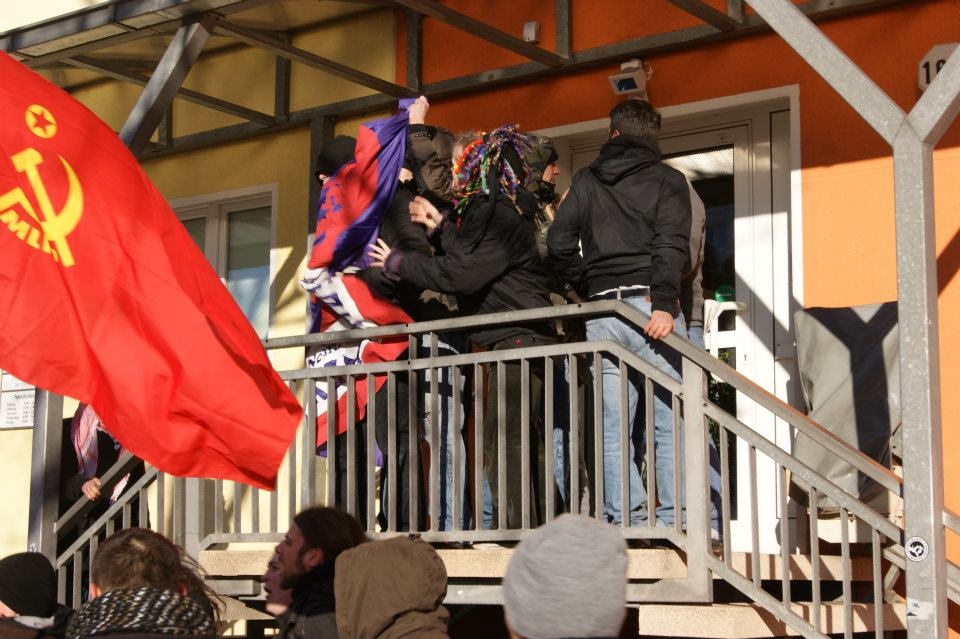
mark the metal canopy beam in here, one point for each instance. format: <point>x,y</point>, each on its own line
<point>189,95</point>
<point>414,24</point>
<point>564,39</point>
<point>815,9</point>
<point>912,138</point>
<point>157,96</point>
<point>708,14</point>
<point>483,30</point>
<point>332,67</point>
<point>140,19</point>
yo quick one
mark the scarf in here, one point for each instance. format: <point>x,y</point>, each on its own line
<point>83,432</point>
<point>313,594</point>
<point>141,611</point>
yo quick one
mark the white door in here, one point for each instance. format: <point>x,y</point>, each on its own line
<point>739,170</point>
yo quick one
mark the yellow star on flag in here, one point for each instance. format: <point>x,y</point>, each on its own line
<point>41,122</point>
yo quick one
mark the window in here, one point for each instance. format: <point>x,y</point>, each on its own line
<point>235,235</point>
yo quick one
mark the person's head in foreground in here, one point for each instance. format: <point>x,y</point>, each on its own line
<point>567,579</point>
<point>28,586</point>
<point>315,539</point>
<point>391,589</point>
<point>141,584</point>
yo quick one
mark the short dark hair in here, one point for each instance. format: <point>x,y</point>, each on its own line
<point>330,530</point>
<point>636,117</point>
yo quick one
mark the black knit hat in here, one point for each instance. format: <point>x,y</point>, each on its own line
<point>28,584</point>
<point>334,154</point>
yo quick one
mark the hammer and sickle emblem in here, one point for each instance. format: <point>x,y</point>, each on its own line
<point>56,225</point>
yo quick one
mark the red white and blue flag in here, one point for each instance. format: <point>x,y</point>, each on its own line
<point>352,204</point>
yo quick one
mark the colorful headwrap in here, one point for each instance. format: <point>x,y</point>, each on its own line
<point>495,157</point>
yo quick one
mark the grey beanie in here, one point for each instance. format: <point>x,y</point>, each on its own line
<point>567,579</point>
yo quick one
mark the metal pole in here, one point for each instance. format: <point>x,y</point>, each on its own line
<point>920,387</point>
<point>45,473</point>
<point>160,91</point>
<point>912,139</point>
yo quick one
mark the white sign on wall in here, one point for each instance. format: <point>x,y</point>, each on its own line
<point>17,399</point>
<point>931,63</point>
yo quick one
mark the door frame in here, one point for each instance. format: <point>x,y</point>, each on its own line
<point>777,195</point>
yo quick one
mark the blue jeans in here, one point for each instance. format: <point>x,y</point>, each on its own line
<point>667,360</point>
<point>450,436</point>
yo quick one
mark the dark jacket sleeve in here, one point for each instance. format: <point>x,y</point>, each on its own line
<point>563,240</point>
<point>461,270</point>
<point>671,242</point>
<point>403,235</point>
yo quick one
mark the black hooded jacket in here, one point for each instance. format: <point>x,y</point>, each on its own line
<point>630,213</point>
<point>490,263</point>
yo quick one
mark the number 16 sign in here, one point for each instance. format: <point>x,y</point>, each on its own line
<point>931,63</point>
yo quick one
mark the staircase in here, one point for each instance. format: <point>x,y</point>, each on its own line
<point>683,584</point>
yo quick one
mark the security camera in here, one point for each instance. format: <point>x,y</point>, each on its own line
<point>632,80</point>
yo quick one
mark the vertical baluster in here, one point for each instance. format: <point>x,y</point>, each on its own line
<point>437,449</point>
<point>161,525</point>
<point>219,506</point>
<point>254,510</point>
<point>815,555</point>
<point>92,546</point>
<point>501,445</point>
<point>78,566</point>
<point>370,512</point>
<point>237,508</point>
<point>598,469</point>
<point>847,586</point>
<point>292,451</point>
<point>625,460</point>
<point>62,586</point>
<point>274,503</point>
<point>678,489</point>
<point>573,392</point>
<point>548,420</point>
<point>726,513</point>
<point>351,479</point>
<point>394,475</point>
<point>478,471</point>
<point>754,518</point>
<point>413,441</point>
<point>651,455</point>
<point>459,490</point>
<point>525,444</point>
<point>179,506</point>
<point>878,602</point>
<point>783,488</point>
<point>143,508</point>
<point>333,418</point>
<point>126,514</point>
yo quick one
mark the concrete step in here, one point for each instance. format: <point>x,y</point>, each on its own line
<point>746,621</point>
<point>491,563</point>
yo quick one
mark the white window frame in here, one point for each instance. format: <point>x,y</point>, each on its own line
<point>216,208</point>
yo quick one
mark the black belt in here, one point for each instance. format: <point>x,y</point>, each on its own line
<point>622,293</point>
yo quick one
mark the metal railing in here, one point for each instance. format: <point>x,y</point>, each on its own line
<point>435,390</point>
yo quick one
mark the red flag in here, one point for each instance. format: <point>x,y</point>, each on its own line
<point>107,299</point>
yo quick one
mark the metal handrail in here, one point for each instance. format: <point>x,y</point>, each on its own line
<point>849,504</point>
<point>96,527</point>
<point>825,438</point>
<point>126,464</point>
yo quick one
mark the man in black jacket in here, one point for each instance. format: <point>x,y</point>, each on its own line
<point>630,212</point>
<point>490,262</point>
